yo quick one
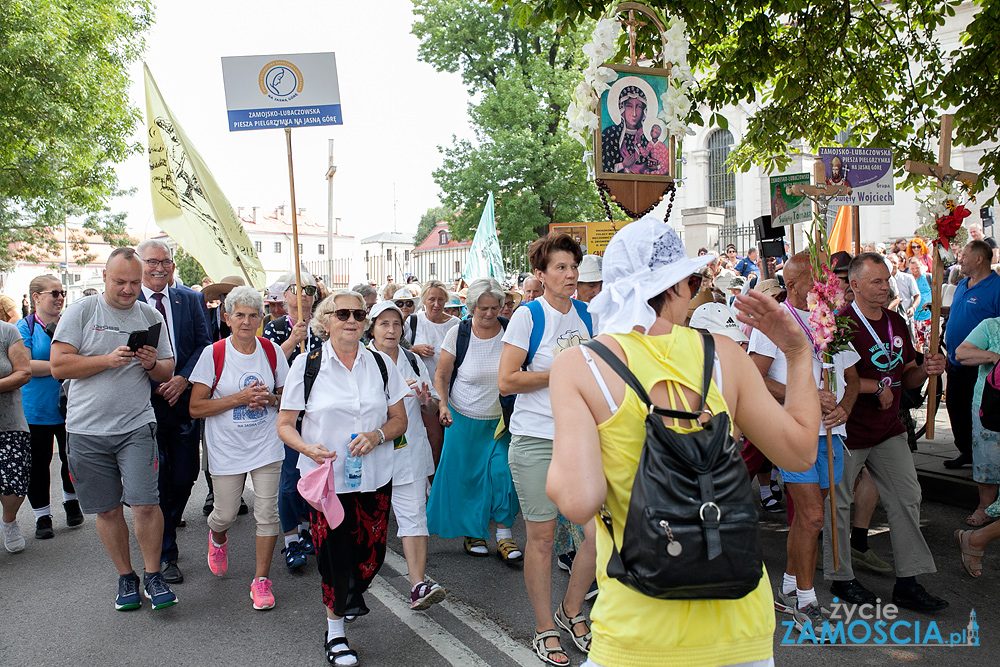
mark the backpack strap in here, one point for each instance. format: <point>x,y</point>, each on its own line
<point>584,314</point>
<point>413,328</point>
<point>633,382</point>
<point>380,362</point>
<point>461,348</point>
<point>412,358</point>
<point>272,357</point>
<point>30,324</point>
<point>537,330</point>
<point>219,359</point>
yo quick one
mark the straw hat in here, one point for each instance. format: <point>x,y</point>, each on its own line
<point>224,286</point>
<point>515,295</point>
<point>770,287</point>
<point>403,294</point>
<point>703,296</point>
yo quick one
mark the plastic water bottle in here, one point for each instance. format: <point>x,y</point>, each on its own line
<point>352,469</point>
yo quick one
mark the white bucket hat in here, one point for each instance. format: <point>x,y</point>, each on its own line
<point>590,269</point>
<point>643,259</point>
<point>403,294</point>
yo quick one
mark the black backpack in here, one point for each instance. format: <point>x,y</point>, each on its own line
<point>691,530</point>
<point>989,408</point>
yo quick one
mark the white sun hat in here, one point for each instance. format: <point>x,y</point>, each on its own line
<point>590,270</point>
<point>643,260</point>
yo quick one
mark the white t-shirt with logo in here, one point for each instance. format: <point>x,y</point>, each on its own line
<point>533,410</point>
<point>778,371</point>
<point>241,440</point>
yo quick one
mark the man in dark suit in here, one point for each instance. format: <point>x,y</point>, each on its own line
<point>177,434</point>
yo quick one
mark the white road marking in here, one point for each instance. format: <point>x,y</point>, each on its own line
<point>439,639</point>
<point>484,627</point>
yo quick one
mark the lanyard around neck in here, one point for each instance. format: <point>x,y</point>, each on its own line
<point>885,348</point>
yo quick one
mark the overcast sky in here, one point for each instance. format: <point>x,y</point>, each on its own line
<point>396,110</point>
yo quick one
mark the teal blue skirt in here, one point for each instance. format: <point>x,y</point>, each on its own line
<point>472,484</point>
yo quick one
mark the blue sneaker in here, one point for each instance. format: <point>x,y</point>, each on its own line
<point>128,592</point>
<point>294,556</point>
<point>592,592</point>
<point>306,542</point>
<point>157,590</point>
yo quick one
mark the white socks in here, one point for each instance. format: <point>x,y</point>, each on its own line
<point>504,534</point>
<point>788,584</point>
<point>806,597</point>
<point>765,492</point>
<point>68,497</point>
<point>288,542</point>
<point>42,511</point>
<point>303,526</point>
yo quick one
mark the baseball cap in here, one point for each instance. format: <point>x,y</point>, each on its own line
<point>717,318</point>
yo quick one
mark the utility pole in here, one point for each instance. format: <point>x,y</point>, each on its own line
<point>331,170</point>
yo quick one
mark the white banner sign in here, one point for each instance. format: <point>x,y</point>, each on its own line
<point>292,90</point>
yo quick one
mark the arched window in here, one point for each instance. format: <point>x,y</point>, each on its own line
<point>721,181</point>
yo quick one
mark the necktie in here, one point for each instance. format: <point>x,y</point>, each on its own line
<point>158,296</point>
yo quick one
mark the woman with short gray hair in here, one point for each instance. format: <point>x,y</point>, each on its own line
<point>473,483</point>
<point>237,382</point>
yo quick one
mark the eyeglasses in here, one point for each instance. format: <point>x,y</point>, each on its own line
<point>344,313</point>
<point>694,283</point>
<point>56,293</point>
<point>308,290</point>
<point>153,263</point>
<point>404,304</point>
<point>508,304</point>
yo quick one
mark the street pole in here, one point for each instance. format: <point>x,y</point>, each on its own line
<point>331,170</point>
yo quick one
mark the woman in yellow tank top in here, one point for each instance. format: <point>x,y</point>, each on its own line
<point>600,430</point>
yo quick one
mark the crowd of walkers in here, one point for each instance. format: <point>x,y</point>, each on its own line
<point>464,407</point>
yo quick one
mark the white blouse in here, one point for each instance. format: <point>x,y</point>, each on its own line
<point>414,461</point>
<point>343,402</point>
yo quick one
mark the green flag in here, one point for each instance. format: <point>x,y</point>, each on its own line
<point>485,260</point>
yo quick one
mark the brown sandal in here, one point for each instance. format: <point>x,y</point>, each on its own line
<point>475,542</point>
<point>508,551</point>
<point>975,569</point>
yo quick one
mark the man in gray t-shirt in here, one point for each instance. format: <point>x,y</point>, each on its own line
<point>110,423</point>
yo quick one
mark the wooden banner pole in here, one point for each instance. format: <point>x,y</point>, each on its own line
<point>833,486</point>
<point>856,228</point>
<point>295,233</point>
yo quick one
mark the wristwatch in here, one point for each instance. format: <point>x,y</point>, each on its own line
<point>882,384</point>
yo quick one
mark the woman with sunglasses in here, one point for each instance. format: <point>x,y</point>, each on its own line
<point>40,399</point>
<point>350,412</point>
<point>555,259</point>
<point>407,304</point>
<point>918,248</point>
<point>289,332</point>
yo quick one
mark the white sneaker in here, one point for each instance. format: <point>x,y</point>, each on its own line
<point>13,540</point>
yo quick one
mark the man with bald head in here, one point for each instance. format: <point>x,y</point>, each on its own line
<point>976,234</point>
<point>797,595</point>
<point>110,423</point>
<point>533,289</point>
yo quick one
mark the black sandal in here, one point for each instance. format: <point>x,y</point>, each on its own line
<point>332,656</point>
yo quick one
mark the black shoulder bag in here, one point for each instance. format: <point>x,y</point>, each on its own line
<point>691,529</point>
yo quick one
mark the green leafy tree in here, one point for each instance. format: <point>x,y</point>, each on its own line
<point>188,268</point>
<point>815,71</point>
<point>522,78</point>
<point>429,219</point>
<point>65,117</point>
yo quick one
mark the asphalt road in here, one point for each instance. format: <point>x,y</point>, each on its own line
<point>56,605</point>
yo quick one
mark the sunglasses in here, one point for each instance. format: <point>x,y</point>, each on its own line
<point>694,283</point>
<point>344,313</point>
<point>56,293</point>
<point>308,290</point>
<point>404,304</point>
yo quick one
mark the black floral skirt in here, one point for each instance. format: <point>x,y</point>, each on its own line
<point>15,463</point>
<point>350,555</point>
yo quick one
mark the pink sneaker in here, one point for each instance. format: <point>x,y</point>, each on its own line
<point>260,593</point>
<point>218,559</point>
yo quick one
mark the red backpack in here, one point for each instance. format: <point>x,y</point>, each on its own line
<point>219,357</point>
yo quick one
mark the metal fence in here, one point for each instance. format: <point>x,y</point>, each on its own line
<point>515,257</point>
<point>336,273</point>
<point>743,236</point>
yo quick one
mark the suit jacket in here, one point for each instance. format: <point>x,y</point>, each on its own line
<point>191,335</point>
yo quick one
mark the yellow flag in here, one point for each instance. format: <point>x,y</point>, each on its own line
<point>187,202</point>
